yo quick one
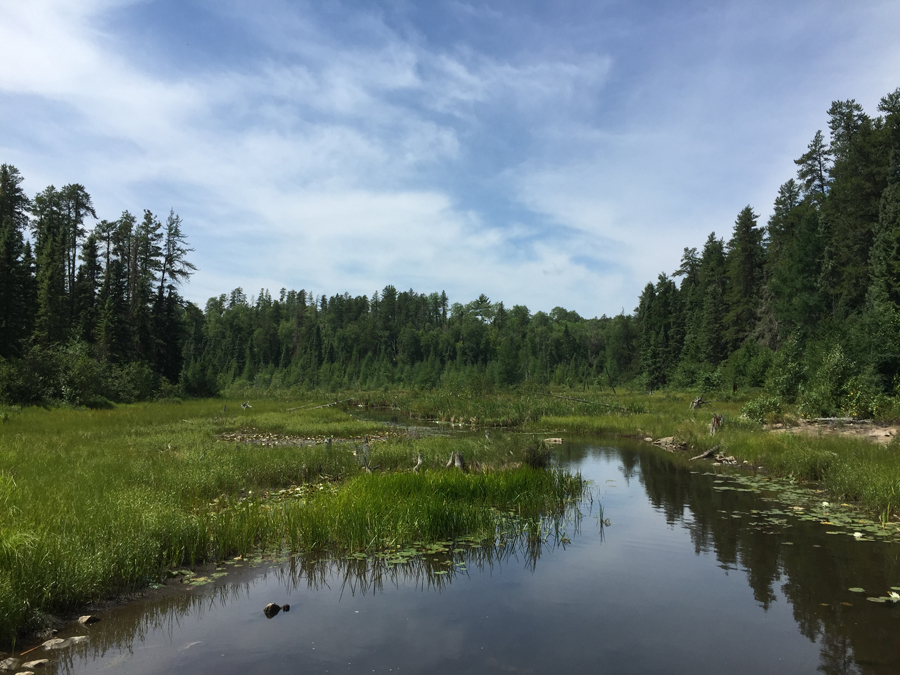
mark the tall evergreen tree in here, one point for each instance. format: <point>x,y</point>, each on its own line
<point>814,167</point>
<point>14,267</point>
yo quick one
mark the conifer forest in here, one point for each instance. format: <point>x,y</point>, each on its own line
<point>804,307</point>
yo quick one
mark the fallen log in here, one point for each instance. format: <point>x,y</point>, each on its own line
<point>708,453</point>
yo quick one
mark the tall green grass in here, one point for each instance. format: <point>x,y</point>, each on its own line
<point>97,502</point>
<point>850,469</point>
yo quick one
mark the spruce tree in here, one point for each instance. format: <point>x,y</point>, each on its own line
<point>744,259</point>
<point>14,267</point>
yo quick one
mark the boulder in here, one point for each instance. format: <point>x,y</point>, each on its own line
<point>88,619</point>
<point>271,610</point>
<point>9,664</point>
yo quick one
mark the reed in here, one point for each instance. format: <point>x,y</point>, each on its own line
<point>99,502</point>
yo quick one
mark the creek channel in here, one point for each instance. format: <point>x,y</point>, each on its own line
<point>700,569</point>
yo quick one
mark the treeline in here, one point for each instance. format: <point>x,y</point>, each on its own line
<point>806,306</point>
<point>87,315</point>
<point>400,338</point>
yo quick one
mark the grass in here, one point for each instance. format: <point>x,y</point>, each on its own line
<point>99,502</point>
<point>850,469</point>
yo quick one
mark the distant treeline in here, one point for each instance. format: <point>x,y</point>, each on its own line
<point>807,306</point>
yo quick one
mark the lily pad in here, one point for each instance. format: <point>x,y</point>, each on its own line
<point>856,589</point>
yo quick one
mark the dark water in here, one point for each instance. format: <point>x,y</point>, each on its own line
<point>685,579</point>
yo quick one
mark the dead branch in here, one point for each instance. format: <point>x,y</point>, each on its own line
<point>708,453</point>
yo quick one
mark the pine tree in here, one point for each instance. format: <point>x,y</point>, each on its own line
<point>814,167</point>
<point>14,267</point>
<point>53,316</point>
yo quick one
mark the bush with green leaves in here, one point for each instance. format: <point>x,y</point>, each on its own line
<point>757,409</point>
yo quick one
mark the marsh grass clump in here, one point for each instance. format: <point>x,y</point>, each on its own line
<point>99,502</point>
<point>537,454</point>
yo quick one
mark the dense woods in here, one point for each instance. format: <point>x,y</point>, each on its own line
<point>806,306</point>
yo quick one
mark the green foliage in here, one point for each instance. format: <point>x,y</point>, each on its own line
<point>98,502</point>
<point>757,409</point>
<point>787,372</point>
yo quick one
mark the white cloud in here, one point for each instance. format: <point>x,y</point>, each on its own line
<point>350,153</point>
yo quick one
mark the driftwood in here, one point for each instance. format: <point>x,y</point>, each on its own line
<point>708,453</point>
<point>304,407</point>
<point>456,459</point>
<point>718,421</point>
<point>332,403</point>
<point>418,464</point>
<point>698,402</point>
<point>839,420</point>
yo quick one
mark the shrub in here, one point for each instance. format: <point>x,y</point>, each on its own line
<point>757,409</point>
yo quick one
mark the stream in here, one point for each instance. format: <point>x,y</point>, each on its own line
<point>699,570</point>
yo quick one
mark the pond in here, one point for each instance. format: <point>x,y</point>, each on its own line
<point>699,570</point>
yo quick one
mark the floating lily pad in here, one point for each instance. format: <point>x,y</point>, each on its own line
<point>856,589</point>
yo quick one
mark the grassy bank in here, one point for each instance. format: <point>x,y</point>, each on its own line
<point>850,469</point>
<point>97,502</point>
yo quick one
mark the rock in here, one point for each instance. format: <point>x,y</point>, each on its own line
<point>648,440</point>
<point>40,663</point>
<point>271,610</point>
<point>285,608</point>
<point>88,619</point>
<point>54,643</point>
<point>77,639</point>
<point>553,440</point>
<point>9,664</point>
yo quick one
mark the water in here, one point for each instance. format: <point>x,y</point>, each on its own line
<point>687,578</point>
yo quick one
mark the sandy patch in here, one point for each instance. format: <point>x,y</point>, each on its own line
<point>871,431</point>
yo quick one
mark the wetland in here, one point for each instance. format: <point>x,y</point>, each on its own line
<point>617,556</point>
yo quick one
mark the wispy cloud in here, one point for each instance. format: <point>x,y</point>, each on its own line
<point>544,159</point>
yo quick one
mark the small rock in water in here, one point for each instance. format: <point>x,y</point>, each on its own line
<point>40,663</point>
<point>271,610</point>
<point>9,664</point>
<point>88,618</point>
<point>54,643</point>
<point>77,639</point>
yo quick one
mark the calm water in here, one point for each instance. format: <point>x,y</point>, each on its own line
<point>686,579</point>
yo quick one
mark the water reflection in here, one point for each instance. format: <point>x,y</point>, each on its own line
<point>167,619</point>
<point>691,577</point>
<point>813,570</point>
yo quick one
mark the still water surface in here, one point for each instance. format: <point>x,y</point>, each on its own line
<point>687,578</point>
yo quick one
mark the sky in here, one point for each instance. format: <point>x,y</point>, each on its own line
<point>541,153</point>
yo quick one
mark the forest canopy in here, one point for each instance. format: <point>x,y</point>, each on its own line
<point>805,305</point>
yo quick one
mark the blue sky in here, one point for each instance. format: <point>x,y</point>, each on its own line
<point>542,153</point>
